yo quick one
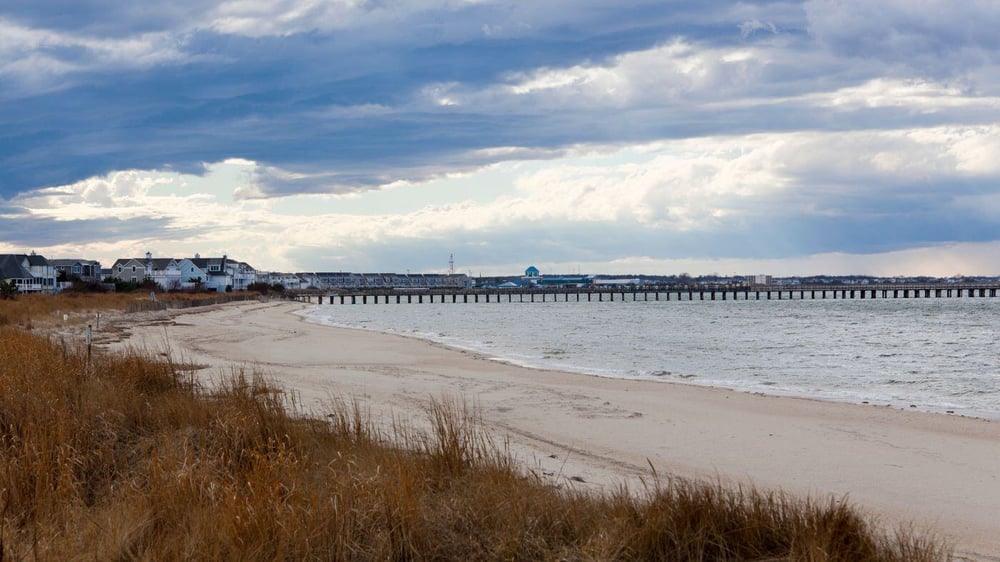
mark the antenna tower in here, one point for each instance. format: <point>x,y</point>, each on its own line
<point>451,264</point>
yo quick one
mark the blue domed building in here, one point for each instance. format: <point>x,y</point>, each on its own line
<point>532,271</point>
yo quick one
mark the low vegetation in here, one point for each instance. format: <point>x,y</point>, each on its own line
<point>124,457</point>
<point>46,311</point>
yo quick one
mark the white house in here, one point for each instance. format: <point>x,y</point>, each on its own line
<point>243,274</point>
<point>222,274</point>
<point>30,273</point>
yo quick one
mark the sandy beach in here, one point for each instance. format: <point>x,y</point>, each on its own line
<point>939,472</point>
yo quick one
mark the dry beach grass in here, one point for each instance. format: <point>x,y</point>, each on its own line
<point>125,456</point>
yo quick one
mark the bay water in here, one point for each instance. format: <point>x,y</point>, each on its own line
<point>936,355</point>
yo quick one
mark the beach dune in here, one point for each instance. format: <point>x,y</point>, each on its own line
<point>939,472</point>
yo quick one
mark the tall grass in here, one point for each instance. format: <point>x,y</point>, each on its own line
<point>34,310</point>
<point>125,458</point>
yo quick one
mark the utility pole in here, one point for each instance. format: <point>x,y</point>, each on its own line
<point>451,264</point>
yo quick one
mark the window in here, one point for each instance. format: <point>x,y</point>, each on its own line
<point>133,270</point>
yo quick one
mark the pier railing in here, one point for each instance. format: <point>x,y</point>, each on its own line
<point>652,293</point>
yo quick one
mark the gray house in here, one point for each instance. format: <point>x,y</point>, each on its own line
<point>88,271</point>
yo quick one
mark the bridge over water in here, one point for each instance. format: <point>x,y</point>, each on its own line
<point>680,293</point>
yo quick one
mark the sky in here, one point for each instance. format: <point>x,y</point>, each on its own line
<point>660,137</point>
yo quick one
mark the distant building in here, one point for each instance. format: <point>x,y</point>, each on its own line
<point>30,273</point>
<point>346,280</point>
<point>760,279</point>
<point>88,271</point>
<point>171,274</point>
<point>532,277</point>
<point>618,281</point>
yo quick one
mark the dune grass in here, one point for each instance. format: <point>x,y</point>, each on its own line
<point>126,458</point>
<point>45,311</point>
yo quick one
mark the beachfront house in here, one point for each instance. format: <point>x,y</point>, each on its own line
<point>165,272</point>
<point>30,273</point>
<point>213,274</point>
<point>290,281</point>
<point>131,270</point>
<point>243,274</point>
<point>225,274</point>
<point>88,271</point>
<point>198,273</point>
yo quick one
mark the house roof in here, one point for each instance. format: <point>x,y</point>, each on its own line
<point>71,261</point>
<point>125,261</point>
<point>203,263</point>
<point>11,267</point>
<point>35,259</point>
<point>162,263</point>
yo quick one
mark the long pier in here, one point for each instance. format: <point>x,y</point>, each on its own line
<point>680,293</point>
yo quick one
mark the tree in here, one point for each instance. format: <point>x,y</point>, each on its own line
<point>8,289</point>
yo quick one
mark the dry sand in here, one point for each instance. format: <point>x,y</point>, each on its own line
<point>939,472</point>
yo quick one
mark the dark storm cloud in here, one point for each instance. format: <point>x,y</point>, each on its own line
<point>213,95</point>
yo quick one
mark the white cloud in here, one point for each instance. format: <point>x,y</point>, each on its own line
<point>38,58</point>
<point>703,185</point>
<point>674,72</point>
<point>923,96</point>
<point>750,27</point>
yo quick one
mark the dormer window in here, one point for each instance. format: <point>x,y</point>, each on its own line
<point>213,268</point>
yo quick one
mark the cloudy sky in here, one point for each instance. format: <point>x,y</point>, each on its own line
<point>666,136</point>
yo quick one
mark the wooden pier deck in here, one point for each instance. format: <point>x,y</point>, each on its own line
<point>686,293</point>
